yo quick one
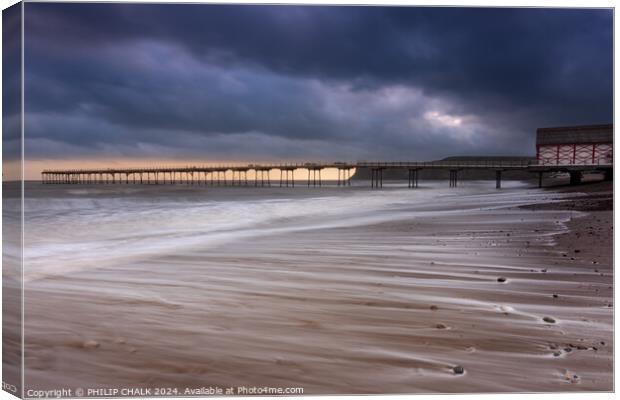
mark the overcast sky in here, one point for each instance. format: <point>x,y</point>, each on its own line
<point>252,83</point>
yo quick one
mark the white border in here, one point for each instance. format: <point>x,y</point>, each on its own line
<point>479,3</point>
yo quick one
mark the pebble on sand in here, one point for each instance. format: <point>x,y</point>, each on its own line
<point>501,279</point>
<point>434,308</point>
<point>458,370</point>
<point>441,326</point>
<point>555,296</point>
<point>90,344</point>
<point>549,320</point>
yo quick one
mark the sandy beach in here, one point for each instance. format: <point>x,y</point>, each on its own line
<point>510,291</point>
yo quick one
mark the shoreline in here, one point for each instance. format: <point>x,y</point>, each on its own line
<point>393,307</point>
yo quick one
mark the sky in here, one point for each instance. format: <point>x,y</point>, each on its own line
<point>173,83</point>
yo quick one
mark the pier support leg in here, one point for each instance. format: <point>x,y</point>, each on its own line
<point>575,177</point>
<point>376,179</point>
<point>453,178</point>
<point>498,179</point>
<point>540,177</point>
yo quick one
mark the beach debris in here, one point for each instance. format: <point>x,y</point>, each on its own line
<point>577,251</point>
<point>555,296</point>
<point>434,308</point>
<point>458,370</point>
<point>571,377</point>
<point>506,310</point>
<point>549,320</point>
<point>441,326</point>
<point>501,279</point>
<point>90,344</point>
<point>557,353</point>
<point>544,271</point>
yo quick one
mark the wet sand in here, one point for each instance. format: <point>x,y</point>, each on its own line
<point>390,307</point>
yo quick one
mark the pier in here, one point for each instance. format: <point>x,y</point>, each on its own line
<point>237,175</point>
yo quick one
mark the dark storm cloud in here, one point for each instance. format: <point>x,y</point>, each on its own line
<point>351,81</point>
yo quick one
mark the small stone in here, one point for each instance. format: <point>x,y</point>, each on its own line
<point>557,354</point>
<point>434,308</point>
<point>555,296</point>
<point>458,370</point>
<point>549,320</point>
<point>577,251</point>
<point>568,349</point>
<point>440,326</point>
<point>90,344</point>
<point>501,279</point>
